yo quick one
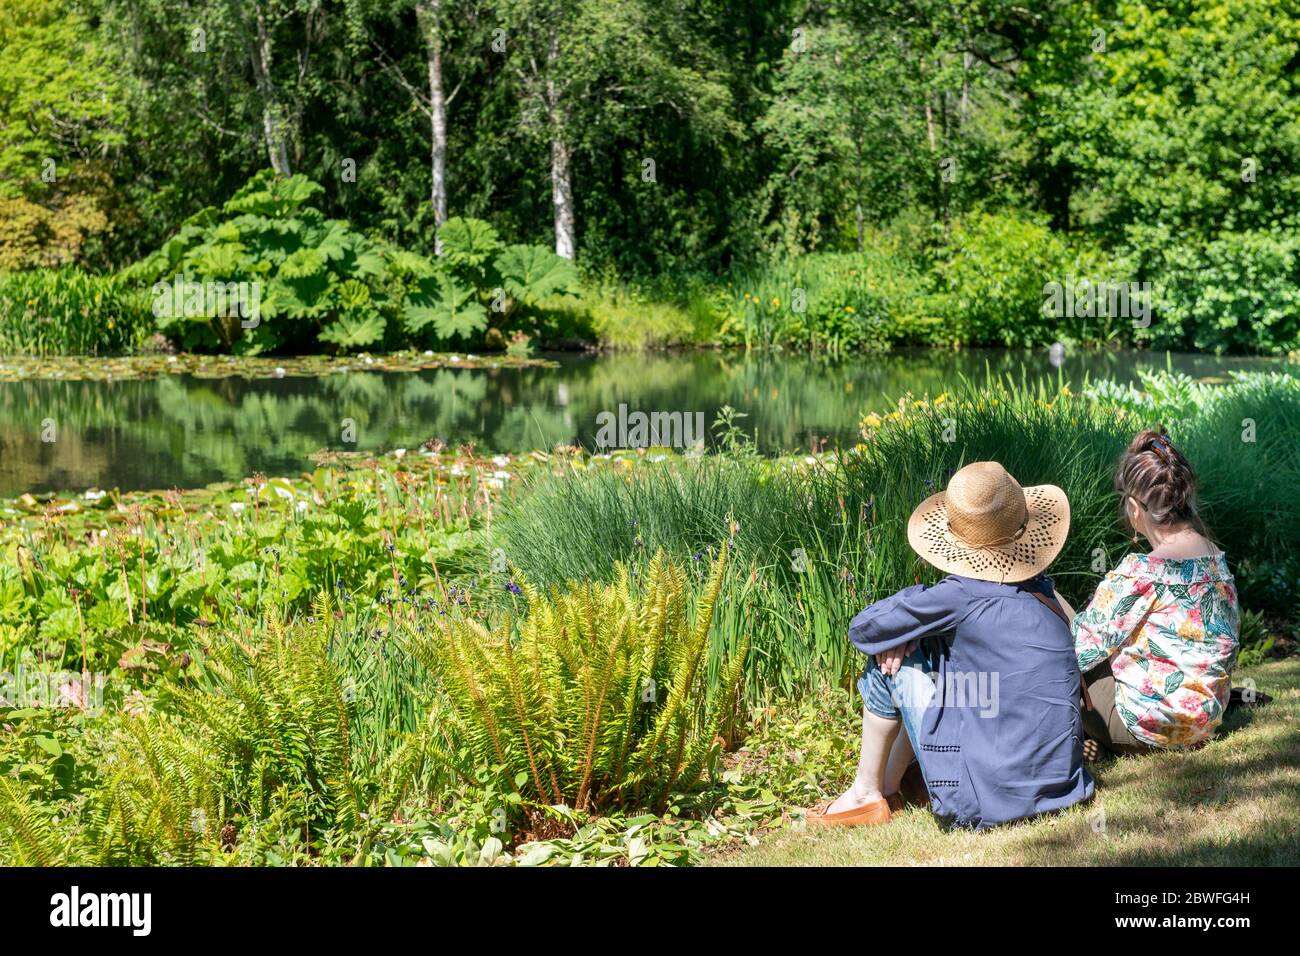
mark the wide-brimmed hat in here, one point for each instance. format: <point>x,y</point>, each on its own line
<point>986,526</point>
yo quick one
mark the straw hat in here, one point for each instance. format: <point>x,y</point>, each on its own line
<point>986,526</point>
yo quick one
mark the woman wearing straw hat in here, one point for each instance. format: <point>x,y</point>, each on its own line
<point>980,667</point>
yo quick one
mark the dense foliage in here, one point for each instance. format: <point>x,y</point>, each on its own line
<point>966,154</point>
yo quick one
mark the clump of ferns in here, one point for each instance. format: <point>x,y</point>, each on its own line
<point>261,750</point>
<point>600,695</point>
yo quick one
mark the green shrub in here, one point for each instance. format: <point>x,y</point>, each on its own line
<point>255,759</point>
<point>990,284</point>
<point>1238,293</point>
<point>316,281</point>
<point>834,302</point>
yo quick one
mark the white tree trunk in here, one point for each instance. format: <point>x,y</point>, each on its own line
<point>427,14</point>
<point>275,130</point>
<point>562,198</point>
<point>561,176</point>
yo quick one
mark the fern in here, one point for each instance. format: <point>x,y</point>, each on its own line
<point>27,833</point>
<point>599,694</point>
<point>264,747</point>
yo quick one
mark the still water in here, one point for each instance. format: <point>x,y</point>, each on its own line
<point>180,431</point>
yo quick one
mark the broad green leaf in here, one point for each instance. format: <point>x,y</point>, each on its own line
<point>470,243</point>
<point>449,304</point>
<point>530,273</point>
<point>354,331</point>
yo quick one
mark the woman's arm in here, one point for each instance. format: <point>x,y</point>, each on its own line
<point>1118,607</point>
<point>913,613</point>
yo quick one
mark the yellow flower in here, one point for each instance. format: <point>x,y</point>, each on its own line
<point>943,397</point>
<point>111,323</point>
<point>848,309</point>
<point>776,303</point>
<point>873,420</point>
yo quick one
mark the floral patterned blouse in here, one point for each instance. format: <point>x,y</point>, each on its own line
<point>1170,628</point>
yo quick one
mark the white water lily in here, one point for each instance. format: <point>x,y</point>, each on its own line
<point>237,507</point>
<point>279,371</point>
<point>94,494</point>
<point>398,453</point>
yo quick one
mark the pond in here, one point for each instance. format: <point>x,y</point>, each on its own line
<point>183,431</point>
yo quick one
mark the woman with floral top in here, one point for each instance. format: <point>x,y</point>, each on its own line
<point>1158,642</point>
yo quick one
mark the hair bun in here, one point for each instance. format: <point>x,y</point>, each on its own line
<point>1156,474</point>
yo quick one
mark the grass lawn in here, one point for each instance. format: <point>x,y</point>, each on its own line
<point>1234,802</point>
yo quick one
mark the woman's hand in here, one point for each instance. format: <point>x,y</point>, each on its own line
<point>891,660</point>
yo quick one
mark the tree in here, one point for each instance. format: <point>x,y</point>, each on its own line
<point>61,116</point>
<point>583,66</point>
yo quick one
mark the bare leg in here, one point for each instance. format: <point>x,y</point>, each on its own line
<point>878,736</point>
<point>900,758</point>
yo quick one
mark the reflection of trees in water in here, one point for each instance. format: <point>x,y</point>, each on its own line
<point>187,431</point>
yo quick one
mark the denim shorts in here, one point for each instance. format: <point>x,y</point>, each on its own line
<point>911,689</point>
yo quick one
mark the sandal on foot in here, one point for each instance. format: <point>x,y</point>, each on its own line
<point>868,815</point>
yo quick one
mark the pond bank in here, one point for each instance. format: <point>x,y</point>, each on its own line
<point>72,425</point>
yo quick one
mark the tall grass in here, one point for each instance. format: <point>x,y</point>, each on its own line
<point>67,311</point>
<point>811,549</point>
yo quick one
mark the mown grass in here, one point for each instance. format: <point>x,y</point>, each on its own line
<point>1235,802</point>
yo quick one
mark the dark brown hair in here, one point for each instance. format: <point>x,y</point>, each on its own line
<point>1157,475</point>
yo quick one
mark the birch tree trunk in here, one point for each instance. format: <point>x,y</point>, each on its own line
<point>561,176</point>
<point>275,131</point>
<point>427,13</point>
<point>562,197</point>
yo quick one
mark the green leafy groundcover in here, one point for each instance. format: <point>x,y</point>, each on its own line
<point>195,639</point>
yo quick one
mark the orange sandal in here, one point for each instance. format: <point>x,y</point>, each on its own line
<point>868,815</point>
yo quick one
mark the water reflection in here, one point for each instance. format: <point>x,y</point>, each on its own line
<point>185,432</point>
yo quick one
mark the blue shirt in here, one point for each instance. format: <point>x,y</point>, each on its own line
<point>1003,738</point>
